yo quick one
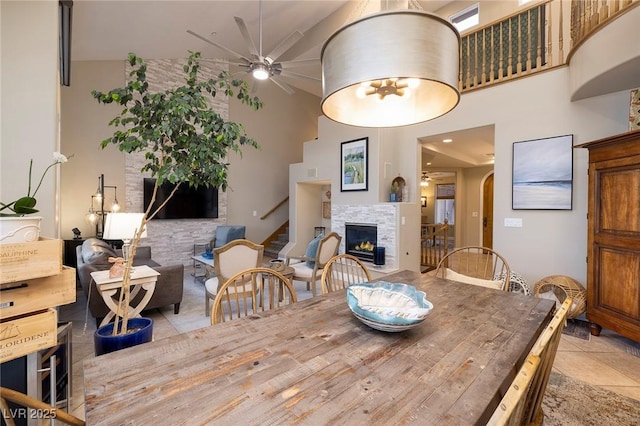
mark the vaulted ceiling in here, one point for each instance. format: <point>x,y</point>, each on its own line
<point>110,29</point>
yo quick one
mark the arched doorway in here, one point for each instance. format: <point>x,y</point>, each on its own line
<point>487,211</point>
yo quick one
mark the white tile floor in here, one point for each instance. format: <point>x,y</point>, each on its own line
<point>603,361</point>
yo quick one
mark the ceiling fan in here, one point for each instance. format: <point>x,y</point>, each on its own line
<point>261,66</point>
<point>424,181</point>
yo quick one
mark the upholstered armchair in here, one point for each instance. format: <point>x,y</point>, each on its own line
<point>232,258</point>
<point>227,233</point>
<point>309,267</point>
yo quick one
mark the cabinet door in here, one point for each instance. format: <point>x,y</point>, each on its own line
<point>614,291</point>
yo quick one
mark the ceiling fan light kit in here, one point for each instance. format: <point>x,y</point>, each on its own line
<point>259,71</point>
<point>391,69</point>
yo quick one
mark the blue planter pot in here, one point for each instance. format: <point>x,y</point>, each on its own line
<point>104,342</point>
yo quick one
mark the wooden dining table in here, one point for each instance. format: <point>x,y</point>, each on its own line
<point>314,363</point>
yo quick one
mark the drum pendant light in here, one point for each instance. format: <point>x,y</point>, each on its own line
<point>390,69</point>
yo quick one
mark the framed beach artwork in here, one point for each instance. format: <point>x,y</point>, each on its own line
<point>543,174</point>
<point>354,165</point>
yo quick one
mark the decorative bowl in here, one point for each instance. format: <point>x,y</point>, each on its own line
<point>277,265</point>
<point>388,306</point>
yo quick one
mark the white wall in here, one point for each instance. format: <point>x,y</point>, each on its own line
<point>550,242</point>
<point>29,109</point>
<point>259,179</point>
<point>83,128</point>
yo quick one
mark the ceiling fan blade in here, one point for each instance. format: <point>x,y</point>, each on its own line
<point>219,46</point>
<point>284,45</point>
<point>251,46</point>
<point>292,74</point>
<point>284,86</point>
<point>240,64</point>
<point>298,63</point>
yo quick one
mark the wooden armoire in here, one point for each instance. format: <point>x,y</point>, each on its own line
<point>613,243</point>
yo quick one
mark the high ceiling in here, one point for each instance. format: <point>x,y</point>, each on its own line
<point>110,29</point>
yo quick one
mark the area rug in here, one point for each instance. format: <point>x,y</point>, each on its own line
<point>571,402</point>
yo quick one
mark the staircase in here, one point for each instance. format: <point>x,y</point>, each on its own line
<point>276,242</point>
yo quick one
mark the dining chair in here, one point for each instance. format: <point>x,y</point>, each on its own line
<point>309,268</point>
<point>228,260</point>
<point>341,271</point>
<point>522,403</point>
<point>30,403</point>
<point>475,265</point>
<point>250,292</point>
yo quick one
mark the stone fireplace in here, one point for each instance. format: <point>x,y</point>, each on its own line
<point>382,216</point>
<point>361,239</point>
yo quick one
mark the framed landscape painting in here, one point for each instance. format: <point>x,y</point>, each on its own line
<point>354,165</point>
<point>543,174</point>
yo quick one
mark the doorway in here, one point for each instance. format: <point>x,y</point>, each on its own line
<point>487,211</point>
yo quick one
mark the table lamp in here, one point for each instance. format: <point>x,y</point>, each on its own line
<point>123,226</point>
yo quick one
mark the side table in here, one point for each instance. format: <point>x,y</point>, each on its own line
<point>142,277</point>
<point>208,265</point>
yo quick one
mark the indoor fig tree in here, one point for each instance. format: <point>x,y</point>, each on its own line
<point>184,140</point>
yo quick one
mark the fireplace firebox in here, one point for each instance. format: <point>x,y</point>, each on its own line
<point>361,239</point>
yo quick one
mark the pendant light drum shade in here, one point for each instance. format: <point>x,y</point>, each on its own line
<point>391,69</point>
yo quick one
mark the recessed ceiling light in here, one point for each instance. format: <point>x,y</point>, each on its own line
<point>447,140</point>
<point>429,163</point>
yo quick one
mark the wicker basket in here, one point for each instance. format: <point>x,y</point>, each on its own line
<point>563,287</point>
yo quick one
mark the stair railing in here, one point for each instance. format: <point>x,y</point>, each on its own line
<point>532,40</point>
<point>434,244</point>
<point>264,216</point>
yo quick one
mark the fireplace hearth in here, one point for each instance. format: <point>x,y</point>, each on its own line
<point>361,239</point>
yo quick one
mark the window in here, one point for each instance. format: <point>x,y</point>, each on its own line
<point>445,207</point>
<point>466,18</point>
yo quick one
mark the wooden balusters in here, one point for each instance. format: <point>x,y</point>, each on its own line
<point>434,244</point>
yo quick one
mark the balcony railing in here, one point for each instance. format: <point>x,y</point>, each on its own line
<point>532,40</point>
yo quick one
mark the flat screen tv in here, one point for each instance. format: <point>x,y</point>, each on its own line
<point>186,203</point>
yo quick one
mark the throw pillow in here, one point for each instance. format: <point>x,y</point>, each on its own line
<point>235,233</point>
<point>312,249</point>
<point>97,252</point>
<point>221,236</point>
